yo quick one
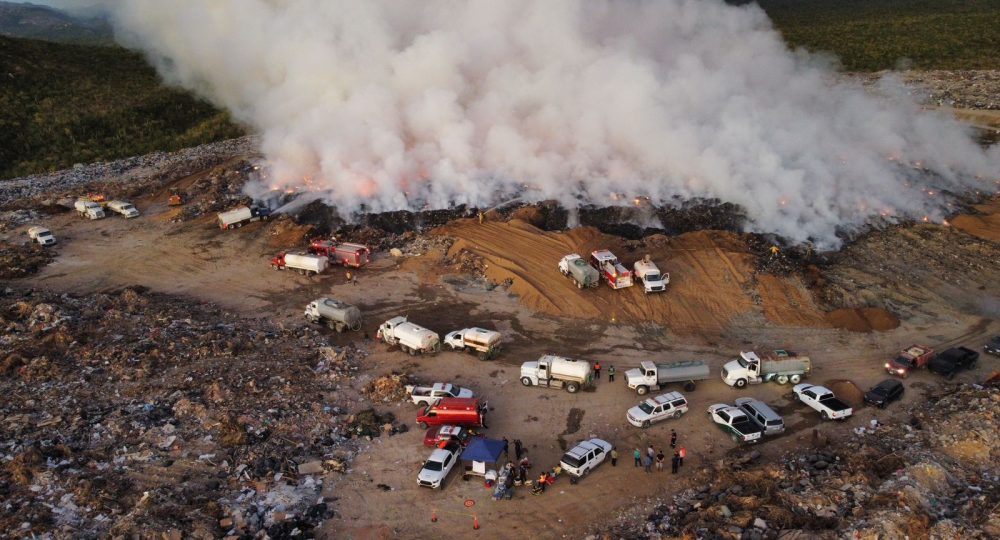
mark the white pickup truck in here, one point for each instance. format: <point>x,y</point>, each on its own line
<point>736,422</point>
<point>441,461</point>
<point>429,395</point>
<point>669,405</point>
<point>823,400</point>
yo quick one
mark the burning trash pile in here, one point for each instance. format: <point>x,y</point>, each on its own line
<point>218,190</point>
<point>935,476</point>
<point>141,414</point>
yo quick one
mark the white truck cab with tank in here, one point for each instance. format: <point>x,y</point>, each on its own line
<point>124,208</point>
<point>42,235</point>
<point>335,314</point>
<point>485,343</point>
<point>88,209</point>
<point>557,372</point>
<point>410,337</point>
<point>649,274</point>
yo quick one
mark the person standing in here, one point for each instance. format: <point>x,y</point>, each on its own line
<point>659,460</point>
<point>506,449</point>
<point>674,463</point>
<point>518,449</point>
<point>614,456</point>
<point>542,480</point>
<point>649,464</point>
<point>681,454</point>
<point>637,456</point>
<point>650,452</point>
<point>673,438</point>
<point>611,373</point>
<point>597,371</point>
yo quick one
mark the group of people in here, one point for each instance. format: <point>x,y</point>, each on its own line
<point>658,458</point>
<point>597,372</point>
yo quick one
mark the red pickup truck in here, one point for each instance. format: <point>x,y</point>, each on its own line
<point>910,358</point>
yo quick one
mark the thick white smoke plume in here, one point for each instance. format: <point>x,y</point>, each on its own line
<point>396,104</point>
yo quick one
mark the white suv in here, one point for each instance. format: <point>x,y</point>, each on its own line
<point>585,456</point>
<point>669,405</point>
<point>438,465</point>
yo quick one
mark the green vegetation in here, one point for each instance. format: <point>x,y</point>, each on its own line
<point>869,35</point>
<point>65,104</point>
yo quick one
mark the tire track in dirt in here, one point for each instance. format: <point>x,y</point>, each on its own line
<point>711,277</point>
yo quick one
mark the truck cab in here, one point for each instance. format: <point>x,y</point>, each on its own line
<point>910,358</point>
<point>642,378</point>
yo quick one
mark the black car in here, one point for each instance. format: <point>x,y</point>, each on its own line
<point>952,361</point>
<point>993,347</point>
<point>884,392</point>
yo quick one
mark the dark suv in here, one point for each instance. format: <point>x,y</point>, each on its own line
<point>884,393</point>
<point>952,361</point>
<point>993,347</point>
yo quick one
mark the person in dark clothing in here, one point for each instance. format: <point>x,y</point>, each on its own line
<point>611,373</point>
<point>659,460</point>
<point>506,448</point>
<point>597,371</point>
<point>518,449</point>
<point>673,439</point>
<point>675,463</point>
<point>614,457</point>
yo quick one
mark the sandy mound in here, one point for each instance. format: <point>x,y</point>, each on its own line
<point>985,225</point>
<point>711,277</point>
<point>847,391</point>
<point>862,320</point>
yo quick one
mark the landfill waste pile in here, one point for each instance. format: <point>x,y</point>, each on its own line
<point>23,260</point>
<point>935,475</point>
<point>130,175</point>
<point>141,414</point>
<point>388,388</point>
<point>219,189</point>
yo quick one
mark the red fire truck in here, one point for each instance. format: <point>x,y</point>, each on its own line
<point>344,253</point>
<point>611,270</point>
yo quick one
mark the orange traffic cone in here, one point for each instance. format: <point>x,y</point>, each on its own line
<point>434,516</point>
<point>475,522</point>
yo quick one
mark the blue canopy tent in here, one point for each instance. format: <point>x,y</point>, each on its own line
<point>480,453</point>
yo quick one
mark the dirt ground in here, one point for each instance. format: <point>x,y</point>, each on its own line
<point>717,305</point>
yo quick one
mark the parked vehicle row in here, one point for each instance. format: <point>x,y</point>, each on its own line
<point>604,265</point>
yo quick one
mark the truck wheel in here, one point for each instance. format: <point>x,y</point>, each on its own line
<point>356,326</point>
<point>331,324</point>
<point>482,356</point>
<point>641,390</point>
<point>525,381</point>
<point>412,351</point>
<point>826,415</point>
<point>740,383</point>
<point>689,386</point>
<point>423,425</point>
<point>795,379</point>
<point>677,415</point>
<point>572,387</point>
<point>782,379</point>
<point>238,225</point>
<point>645,424</point>
<point>735,438</point>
